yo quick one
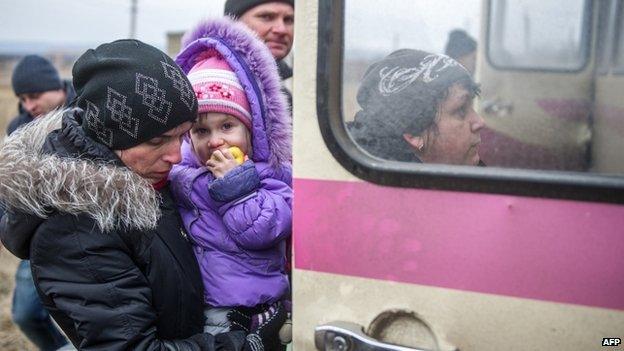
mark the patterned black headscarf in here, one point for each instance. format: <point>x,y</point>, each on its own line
<point>401,94</point>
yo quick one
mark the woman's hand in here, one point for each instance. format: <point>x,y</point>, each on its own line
<point>221,162</point>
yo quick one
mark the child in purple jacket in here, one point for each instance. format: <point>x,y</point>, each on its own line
<point>238,215</point>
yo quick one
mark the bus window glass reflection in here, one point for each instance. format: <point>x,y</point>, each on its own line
<point>619,54</point>
<point>537,34</point>
<point>606,36</point>
<point>546,70</point>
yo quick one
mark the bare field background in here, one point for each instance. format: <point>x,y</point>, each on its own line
<point>11,339</point>
<point>8,106</point>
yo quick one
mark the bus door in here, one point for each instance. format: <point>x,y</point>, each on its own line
<point>535,69</point>
<point>393,255</point>
<point>608,114</point>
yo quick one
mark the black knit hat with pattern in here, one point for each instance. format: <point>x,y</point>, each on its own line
<point>236,8</point>
<point>400,94</point>
<point>396,84</point>
<point>131,92</point>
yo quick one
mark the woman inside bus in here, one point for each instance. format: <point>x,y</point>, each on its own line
<point>418,107</point>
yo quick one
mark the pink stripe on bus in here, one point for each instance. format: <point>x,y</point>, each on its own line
<point>552,250</point>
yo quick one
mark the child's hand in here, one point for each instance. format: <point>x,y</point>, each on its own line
<point>221,162</point>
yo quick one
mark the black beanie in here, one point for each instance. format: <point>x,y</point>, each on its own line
<point>394,82</point>
<point>459,44</point>
<point>401,89</point>
<point>400,94</point>
<point>131,92</point>
<point>236,8</point>
<point>35,74</point>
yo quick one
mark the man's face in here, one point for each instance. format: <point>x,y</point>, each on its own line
<point>153,159</point>
<point>274,24</point>
<point>37,104</point>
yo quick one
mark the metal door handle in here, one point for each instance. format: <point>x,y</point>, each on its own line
<point>346,336</point>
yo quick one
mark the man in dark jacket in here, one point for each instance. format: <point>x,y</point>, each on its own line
<point>109,253</point>
<point>40,90</point>
<point>274,22</point>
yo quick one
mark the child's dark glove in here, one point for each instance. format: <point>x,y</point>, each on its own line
<point>240,318</point>
<point>264,334</point>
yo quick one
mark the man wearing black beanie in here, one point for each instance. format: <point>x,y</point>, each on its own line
<point>39,88</point>
<point>274,22</point>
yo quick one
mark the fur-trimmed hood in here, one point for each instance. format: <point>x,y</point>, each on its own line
<point>256,69</point>
<point>72,174</point>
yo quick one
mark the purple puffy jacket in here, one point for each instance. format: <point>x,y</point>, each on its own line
<point>238,226</point>
<point>239,223</point>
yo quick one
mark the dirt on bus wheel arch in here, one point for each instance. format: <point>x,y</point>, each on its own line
<point>11,339</point>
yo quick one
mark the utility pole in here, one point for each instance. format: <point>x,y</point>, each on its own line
<point>133,15</point>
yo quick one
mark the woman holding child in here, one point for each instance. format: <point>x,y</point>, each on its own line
<point>90,205</point>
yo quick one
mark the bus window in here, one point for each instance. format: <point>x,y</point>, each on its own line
<point>418,33</point>
<point>536,115</point>
<point>535,34</point>
<point>606,35</point>
<point>537,84</point>
<point>608,112</point>
<point>619,53</point>
<point>423,25</point>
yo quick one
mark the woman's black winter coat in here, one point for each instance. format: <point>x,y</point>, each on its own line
<point>111,279</point>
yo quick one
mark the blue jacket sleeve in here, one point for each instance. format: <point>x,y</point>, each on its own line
<point>237,183</point>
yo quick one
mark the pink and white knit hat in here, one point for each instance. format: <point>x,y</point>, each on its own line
<point>218,89</point>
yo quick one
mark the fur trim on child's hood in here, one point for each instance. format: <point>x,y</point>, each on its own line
<point>256,69</point>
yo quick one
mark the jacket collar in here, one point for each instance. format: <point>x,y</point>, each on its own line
<point>70,173</point>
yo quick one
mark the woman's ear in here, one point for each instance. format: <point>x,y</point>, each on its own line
<point>416,142</point>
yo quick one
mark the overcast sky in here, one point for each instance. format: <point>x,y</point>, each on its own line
<point>97,21</point>
<point>416,23</point>
<point>421,24</point>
